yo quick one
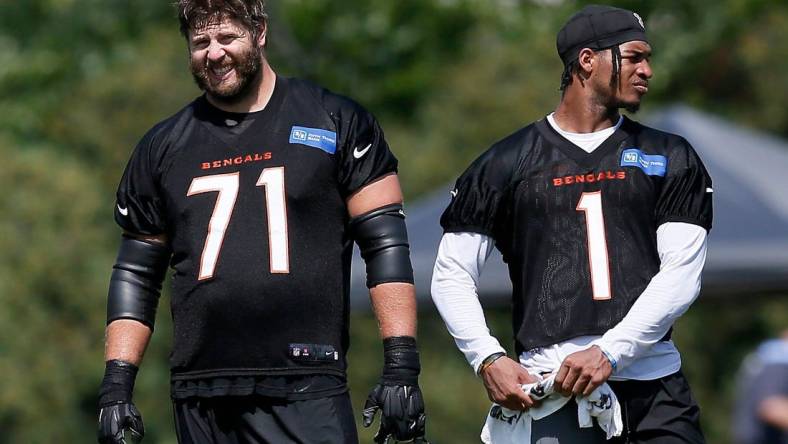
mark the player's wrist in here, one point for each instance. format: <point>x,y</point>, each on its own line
<point>401,365</point>
<point>612,359</point>
<point>118,383</point>
<point>489,361</point>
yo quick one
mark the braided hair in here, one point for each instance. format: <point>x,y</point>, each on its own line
<point>573,68</point>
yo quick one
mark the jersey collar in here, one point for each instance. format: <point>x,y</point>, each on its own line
<point>214,118</point>
<point>574,152</point>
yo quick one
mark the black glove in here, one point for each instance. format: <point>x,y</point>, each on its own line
<point>397,394</point>
<point>119,420</point>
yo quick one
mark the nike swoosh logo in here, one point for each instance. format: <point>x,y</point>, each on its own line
<point>123,211</point>
<point>453,193</point>
<point>359,154</point>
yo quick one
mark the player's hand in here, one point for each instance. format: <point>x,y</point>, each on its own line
<point>402,412</point>
<point>397,395</point>
<point>120,424</point>
<point>119,421</point>
<point>582,372</point>
<point>504,379</point>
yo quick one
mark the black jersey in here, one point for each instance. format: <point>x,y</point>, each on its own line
<point>577,229</point>
<point>253,206</point>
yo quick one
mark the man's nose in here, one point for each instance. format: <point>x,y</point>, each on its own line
<point>215,52</point>
<point>644,69</point>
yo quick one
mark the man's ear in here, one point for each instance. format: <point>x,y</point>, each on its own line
<point>587,61</point>
<point>262,37</point>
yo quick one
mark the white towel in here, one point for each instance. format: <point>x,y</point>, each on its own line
<point>504,426</point>
<point>603,405</point>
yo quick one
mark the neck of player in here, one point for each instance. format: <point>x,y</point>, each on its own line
<point>256,98</point>
<point>578,112</point>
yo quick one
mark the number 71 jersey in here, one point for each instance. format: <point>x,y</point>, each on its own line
<point>578,230</point>
<point>253,206</point>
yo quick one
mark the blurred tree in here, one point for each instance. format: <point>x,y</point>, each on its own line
<point>49,46</point>
<point>382,53</point>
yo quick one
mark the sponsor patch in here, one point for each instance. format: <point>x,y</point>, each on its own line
<point>651,164</point>
<point>314,137</point>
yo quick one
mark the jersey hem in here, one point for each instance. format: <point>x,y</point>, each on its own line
<point>521,348</point>
<point>656,374</point>
<point>213,389</point>
<point>467,229</point>
<point>134,231</point>
<point>276,371</point>
<point>388,171</point>
<point>689,220</point>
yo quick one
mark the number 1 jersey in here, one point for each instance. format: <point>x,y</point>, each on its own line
<point>253,207</point>
<point>577,229</point>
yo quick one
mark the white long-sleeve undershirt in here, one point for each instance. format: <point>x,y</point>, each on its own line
<point>634,342</point>
<point>455,279</point>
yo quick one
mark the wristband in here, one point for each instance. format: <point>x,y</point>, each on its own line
<point>401,361</point>
<point>613,362</point>
<point>118,383</point>
<point>488,361</point>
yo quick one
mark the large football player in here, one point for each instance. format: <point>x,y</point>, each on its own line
<point>602,222</point>
<point>253,195</point>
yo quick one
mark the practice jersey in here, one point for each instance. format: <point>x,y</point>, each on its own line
<point>253,207</point>
<point>576,229</point>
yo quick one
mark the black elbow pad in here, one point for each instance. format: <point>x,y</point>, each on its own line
<point>383,240</point>
<point>135,285</point>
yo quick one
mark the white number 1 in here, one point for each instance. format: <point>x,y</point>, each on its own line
<point>273,179</point>
<point>591,205</point>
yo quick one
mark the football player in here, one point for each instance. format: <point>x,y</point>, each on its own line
<point>602,222</point>
<point>253,195</point>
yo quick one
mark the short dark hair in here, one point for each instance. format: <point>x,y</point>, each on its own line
<point>573,68</point>
<point>196,13</point>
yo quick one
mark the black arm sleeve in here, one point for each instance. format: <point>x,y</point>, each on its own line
<point>136,280</point>
<point>383,239</point>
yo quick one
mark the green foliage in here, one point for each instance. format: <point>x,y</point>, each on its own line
<point>82,80</point>
<point>382,53</point>
<point>50,276</point>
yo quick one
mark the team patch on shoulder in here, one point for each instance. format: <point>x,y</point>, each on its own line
<point>651,164</point>
<point>314,137</point>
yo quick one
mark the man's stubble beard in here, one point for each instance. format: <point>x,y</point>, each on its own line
<point>248,72</point>
<point>611,101</point>
<point>631,108</point>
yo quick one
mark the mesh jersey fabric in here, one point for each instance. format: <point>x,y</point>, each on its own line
<point>257,223</point>
<point>526,191</point>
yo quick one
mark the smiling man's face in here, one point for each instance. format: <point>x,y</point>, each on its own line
<point>225,60</point>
